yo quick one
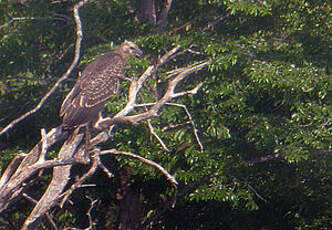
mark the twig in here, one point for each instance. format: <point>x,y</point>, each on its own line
<point>257,194</point>
<point>60,178</point>
<point>263,159</point>
<point>80,181</point>
<point>31,19</point>
<point>192,91</point>
<point>169,94</point>
<point>144,160</point>
<point>61,173</point>
<point>177,71</point>
<point>184,107</point>
<point>105,169</point>
<point>151,129</point>
<point>88,213</point>
<point>170,126</point>
<point>79,36</point>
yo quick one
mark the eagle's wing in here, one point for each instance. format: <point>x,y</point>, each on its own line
<point>69,98</point>
<point>100,80</point>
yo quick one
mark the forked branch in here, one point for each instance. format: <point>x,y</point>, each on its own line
<point>73,151</point>
<point>79,37</point>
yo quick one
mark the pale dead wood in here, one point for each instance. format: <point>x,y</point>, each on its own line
<point>14,180</point>
<point>256,193</point>
<point>191,121</point>
<point>80,181</point>
<point>105,170</point>
<point>161,142</point>
<point>11,168</point>
<point>79,37</point>
<point>134,88</point>
<point>153,111</point>
<point>61,174</point>
<point>49,217</point>
<point>59,180</point>
<point>144,160</point>
<point>73,151</point>
<point>88,213</point>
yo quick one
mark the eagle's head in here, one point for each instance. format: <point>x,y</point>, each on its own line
<point>128,49</point>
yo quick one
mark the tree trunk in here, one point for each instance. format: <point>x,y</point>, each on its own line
<point>147,11</point>
<point>130,209</point>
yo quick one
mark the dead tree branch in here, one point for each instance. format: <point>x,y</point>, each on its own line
<point>59,181</point>
<point>191,121</point>
<point>161,142</point>
<point>13,179</point>
<point>73,150</point>
<point>144,160</point>
<point>79,37</point>
<point>13,182</point>
<point>153,111</point>
<point>19,19</point>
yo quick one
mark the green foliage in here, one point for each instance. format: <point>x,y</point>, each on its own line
<point>263,114</point>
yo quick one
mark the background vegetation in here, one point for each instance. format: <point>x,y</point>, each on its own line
<point>263,114</point>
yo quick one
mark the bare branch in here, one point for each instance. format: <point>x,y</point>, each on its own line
<point>263,159</point>
<point>14,185</point>
<point>59,181</point>
<point>151,129</point>
<point>29,198</point>
<point>105,169</point>
<point>152,112</point>
<point>80,181</point>
<point>72,150</point>
<point>257,194</point>
<point>219,19</point>
<point>144,160</point>
<point>88,213</point>
<point>15,19</point>
<point>177,71</point>
<point>191,122</point>
<point>79,36</point>
<point>50,219</point>
<point>134,88</point>
<point>192,91</point>
<point>170,126</point>
<point>11,169</point>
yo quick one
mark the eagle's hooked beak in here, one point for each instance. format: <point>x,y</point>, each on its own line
<point>138,52</point>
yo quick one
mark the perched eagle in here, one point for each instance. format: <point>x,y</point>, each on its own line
<point>97,83</point>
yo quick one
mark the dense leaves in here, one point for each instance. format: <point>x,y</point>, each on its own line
<point>263,114</point>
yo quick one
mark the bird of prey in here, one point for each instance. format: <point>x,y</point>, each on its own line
<point>97,83</point>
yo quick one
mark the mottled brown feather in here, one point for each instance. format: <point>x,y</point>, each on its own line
<point>97,83</point>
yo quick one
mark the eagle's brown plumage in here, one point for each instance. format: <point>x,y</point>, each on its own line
<point>97,83</point>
